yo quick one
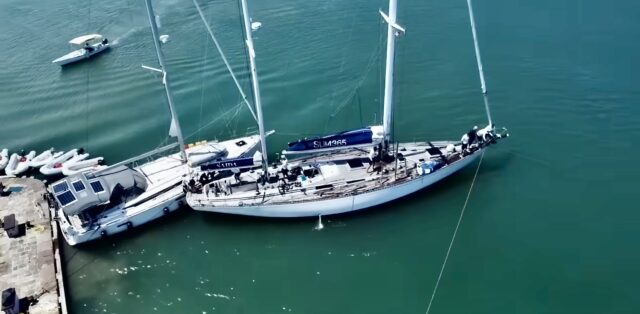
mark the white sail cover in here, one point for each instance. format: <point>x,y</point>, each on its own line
<point>85,38</point>
<point>173,132</point>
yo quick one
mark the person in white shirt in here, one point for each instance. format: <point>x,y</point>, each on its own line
<point>469,138</point>
<point>486,134</point>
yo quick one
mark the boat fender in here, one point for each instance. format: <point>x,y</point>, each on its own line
<point>103,233</point>
<point>165,210</point>
<point>129,225</point>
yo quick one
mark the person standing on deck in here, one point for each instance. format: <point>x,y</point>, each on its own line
<point>469,139</point>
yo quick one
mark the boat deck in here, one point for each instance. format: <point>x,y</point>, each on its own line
<point>324,177</point>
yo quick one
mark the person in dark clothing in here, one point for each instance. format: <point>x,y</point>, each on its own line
<point>473,135</point>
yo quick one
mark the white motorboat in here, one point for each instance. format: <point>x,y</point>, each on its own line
<point>150,191</point>
<point>94,204</point>
<point>44,158</point>
<point>90,45</point>
<point>340,172</point>
<point>72,168</point>
<point>4,158</point>
<point>56,165</point>
<point>19,164</point>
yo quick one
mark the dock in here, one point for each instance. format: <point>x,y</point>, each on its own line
<point>30,262</point>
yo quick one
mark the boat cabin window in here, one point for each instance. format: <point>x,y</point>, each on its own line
<point>96,186</point>
<point>78,186</point>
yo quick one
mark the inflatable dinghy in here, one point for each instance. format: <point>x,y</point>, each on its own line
<point>44,158</point>
<point>68,158</point>
<point>82,166</point>
<point>19,164</point>
<point>4,158</point>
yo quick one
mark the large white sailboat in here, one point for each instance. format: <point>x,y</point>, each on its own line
<point>341,172</point>
<point>94,204</point>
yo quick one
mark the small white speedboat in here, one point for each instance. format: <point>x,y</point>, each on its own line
<point>19,164</point>
<point>55,166</point>
<point>4,158</point>
<point>44,158</point>
<point>89,45</point>
<point>92,164</point>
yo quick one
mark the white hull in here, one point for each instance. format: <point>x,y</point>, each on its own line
<point>71,168</point>
<point>4,158</point>
<point>124,219</point>
<point>338,205</point>
<point>164,194</point>
<point>18,165</point>
<point>55,166</point>
<point>44,158</point>
<point>80,54</point>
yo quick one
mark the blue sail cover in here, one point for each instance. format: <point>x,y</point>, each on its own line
<point>334,141</point>
<point>228,164</point>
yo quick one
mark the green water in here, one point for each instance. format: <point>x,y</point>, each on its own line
<point>552,222</point>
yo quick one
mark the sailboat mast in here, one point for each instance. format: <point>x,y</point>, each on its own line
<point>256,86</point>
<point>388,78</point>
<point>175,124</point>
<point>479,60</point>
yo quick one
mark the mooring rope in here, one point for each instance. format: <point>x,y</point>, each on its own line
<point>224,58</point>
<point>455,232</point>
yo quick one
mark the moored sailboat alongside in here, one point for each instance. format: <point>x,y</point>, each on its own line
<point>345,171</point>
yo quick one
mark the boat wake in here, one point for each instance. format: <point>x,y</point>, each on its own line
<point>116,41</point>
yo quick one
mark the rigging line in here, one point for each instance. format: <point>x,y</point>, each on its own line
<point>373,59</point>
<point>381,65</point>
<point>359,107</point>
<point>352,94</point>
<point>202,87</point>
<point>218,118</point>
<point>224,58</point>
<point>455,232</point>
<point>341,71</point>
<point>86,101</point>
<point>483,85</point>
<point>86,109</point>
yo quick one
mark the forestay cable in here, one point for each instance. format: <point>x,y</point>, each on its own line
<point>226,63</point>
<point>455,232</point>
<point>479,60</point>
